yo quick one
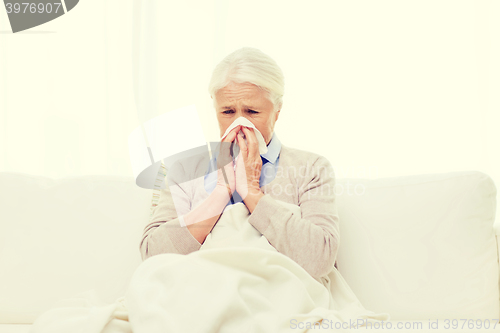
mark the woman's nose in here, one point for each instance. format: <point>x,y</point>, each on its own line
<point>240,114</point>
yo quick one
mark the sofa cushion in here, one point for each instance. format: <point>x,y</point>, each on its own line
<point>60,238</point>
<point>421,247</point>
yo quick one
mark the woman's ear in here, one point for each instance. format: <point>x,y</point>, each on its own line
<point>277,115</point>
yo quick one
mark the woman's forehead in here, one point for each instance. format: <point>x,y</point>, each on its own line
<point>237,90</point>
<point>246,95</point>
<point>245,103</point>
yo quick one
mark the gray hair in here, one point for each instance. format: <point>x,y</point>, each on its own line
<point>250,65</point>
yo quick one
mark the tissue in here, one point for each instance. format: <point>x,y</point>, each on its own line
<point>247,123</point>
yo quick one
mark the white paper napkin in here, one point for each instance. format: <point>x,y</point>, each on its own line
<point>247,123</point>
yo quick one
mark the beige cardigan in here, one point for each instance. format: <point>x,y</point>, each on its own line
<point>303,178</point>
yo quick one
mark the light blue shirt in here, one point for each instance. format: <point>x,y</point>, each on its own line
<point>267,174</point>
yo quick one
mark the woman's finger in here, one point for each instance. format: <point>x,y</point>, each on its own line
<point>232,134</point>
<point>225,158</point>
<point>252,141</point>
<point>230,137</point>
<point>243,146</point>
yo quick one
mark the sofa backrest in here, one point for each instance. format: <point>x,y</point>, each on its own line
<point>421,247</point>
<point>60,238</point>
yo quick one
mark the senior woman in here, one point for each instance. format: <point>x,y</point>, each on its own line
<point>248,83</point>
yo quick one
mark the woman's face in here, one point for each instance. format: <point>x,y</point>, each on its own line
<point>245,100</point>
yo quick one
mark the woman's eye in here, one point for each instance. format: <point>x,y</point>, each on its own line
<point>231,111</point>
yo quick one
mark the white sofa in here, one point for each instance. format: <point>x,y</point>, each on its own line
<point>421,247</point>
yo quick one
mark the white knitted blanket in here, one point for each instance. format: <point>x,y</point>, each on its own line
<point>236,282</point>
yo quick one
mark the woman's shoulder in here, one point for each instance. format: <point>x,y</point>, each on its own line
<point>305,164</point>
<point>300,156</point>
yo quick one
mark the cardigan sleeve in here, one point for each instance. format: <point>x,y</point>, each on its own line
<point>164,233</point>
<point>312,239</point>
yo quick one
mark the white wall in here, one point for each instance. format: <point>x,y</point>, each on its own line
<point>381,88</point>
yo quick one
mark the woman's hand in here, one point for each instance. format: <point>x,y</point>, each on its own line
<point>248,165</point>
<point>225,166</point>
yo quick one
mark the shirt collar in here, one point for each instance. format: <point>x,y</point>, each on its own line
<point>273,149</point>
